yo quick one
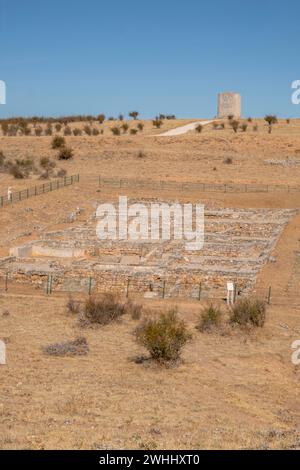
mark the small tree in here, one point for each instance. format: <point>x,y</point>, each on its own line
<point>134,114</point>
<point>101,118</point>
<point>271,119</point>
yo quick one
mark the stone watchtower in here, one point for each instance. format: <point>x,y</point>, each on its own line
<point>229,104</point>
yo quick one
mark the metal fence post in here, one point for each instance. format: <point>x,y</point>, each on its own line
<point>269,295</point>
<point>164,290</point>
<point>90,286</point>
<point>127,288</point>
<point>200,288</point>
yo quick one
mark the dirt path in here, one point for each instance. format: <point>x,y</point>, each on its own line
<point>184,129</point>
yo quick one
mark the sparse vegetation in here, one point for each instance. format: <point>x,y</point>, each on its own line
<point>78,347</point>
<point>271,119</point>
<point>249,312</point>
<point>65,153</point>
<point>235,125</point>
<point>116,130</point>
<point>157,123</point>
<point>102,311</point>
<point>58,142</point>
<point>199,128</point>
<point>211,318</point>
<point>163,337</point>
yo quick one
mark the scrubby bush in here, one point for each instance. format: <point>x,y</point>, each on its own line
<point>67,131</point>
<point>102,311</point>
<point>116,130</point>
<point>79,347</point>
<point>77,131</point>
<point>58,142</point>
<point>255,128</point>
<point>244,127</point>
<point>249,312</point>
<point>134,310</point>
<point>140,126</point>
<point>95,131</point>
<point>211,318</point>
<point>65,153</point>
<point>45,162</point>
<point>16,171</point>
<point>157,123</point>
<point>38,131</point>
<point>133,131</point>
<point>87,130</point>
<point>58,127</point>
<point>73,306</point>
<point>164,337</point>
<point>199,128</point>
<point>61,173</point>
<point>228,161</point>
<point>48,130</point>
<point>235,125</point>
<point>125,127</point>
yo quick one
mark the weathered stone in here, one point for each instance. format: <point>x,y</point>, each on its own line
<point>229,104</point>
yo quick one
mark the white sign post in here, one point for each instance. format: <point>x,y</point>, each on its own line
<point>230,293</point>
<point>2,353</point>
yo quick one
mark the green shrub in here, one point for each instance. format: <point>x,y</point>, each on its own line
<point>65,153</point>
<point>211,318</point>
<point>164,337</point>
<point>116,130</point>
<point>249,312</point>
<point>58,142</point>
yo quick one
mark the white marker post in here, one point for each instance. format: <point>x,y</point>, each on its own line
<point>2,353</point>
<point>230,293</point>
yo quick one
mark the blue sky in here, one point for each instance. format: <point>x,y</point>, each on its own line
<point>158,56</point>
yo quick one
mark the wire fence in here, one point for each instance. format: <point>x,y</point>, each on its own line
<point>53,284</point>
<point>201,187</point>
<point>16,196</point>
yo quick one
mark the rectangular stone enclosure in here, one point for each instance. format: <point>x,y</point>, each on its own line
<point>237,243</point>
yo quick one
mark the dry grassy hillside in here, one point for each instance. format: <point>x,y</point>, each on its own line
<point>233,389</point>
